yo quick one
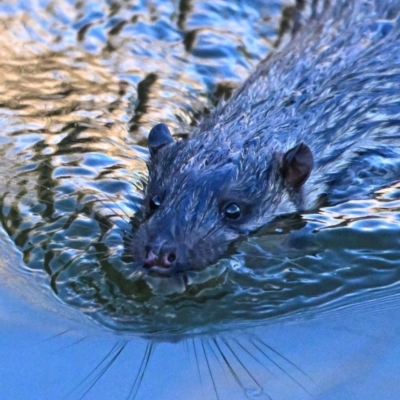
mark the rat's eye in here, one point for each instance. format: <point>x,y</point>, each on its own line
<point>155,202</point>
<point>232,211</point>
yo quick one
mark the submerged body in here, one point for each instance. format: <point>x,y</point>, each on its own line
<point>317,122</point>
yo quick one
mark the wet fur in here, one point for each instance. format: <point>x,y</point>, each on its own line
<point>333,87</point>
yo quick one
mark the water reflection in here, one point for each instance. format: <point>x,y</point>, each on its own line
<point>81,87</point>
<point>81,83</point>
<point>74,109</point>
<point>51,351</point>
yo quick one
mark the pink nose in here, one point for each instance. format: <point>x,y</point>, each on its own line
<point>164,259</point>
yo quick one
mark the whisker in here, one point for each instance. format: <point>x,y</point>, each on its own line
<point>209,368</point>
<point>142,369</point>
<point>74,343</point>
<point>197,363</point>
<point>210,231</point>
<point>254,357</point>
<point>241,363</point>
<point>104,370</point>
<point>203,253</point>
<point>279,367</point>
<point>216,357</point>
<point>286,359</point>
<point>116,350</point>
<point>227,363</point>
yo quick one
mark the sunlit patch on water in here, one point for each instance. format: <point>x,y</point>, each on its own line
<point>77,97</point>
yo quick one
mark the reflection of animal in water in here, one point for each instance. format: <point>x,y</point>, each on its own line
<point>250,363</point>
<point>317,122</point>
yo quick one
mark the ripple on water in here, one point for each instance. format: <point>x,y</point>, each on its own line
<point>80,86</point>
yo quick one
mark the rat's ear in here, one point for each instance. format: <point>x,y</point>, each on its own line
<point>296,166</point>
<point>159,137</point>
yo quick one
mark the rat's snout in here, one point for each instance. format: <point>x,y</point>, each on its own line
<point>161,258</point>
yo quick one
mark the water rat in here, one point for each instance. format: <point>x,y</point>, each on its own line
<point>318,121</point>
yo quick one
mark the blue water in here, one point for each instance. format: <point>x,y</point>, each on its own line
<point>309,313</point>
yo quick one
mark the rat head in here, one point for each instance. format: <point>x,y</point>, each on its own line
<point>206,192</point>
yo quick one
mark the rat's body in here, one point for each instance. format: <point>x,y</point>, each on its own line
<point>317,122</point>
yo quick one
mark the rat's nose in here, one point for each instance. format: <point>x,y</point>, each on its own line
<point>165,257</point>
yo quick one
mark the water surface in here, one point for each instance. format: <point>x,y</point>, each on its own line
<point>81,83</point>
